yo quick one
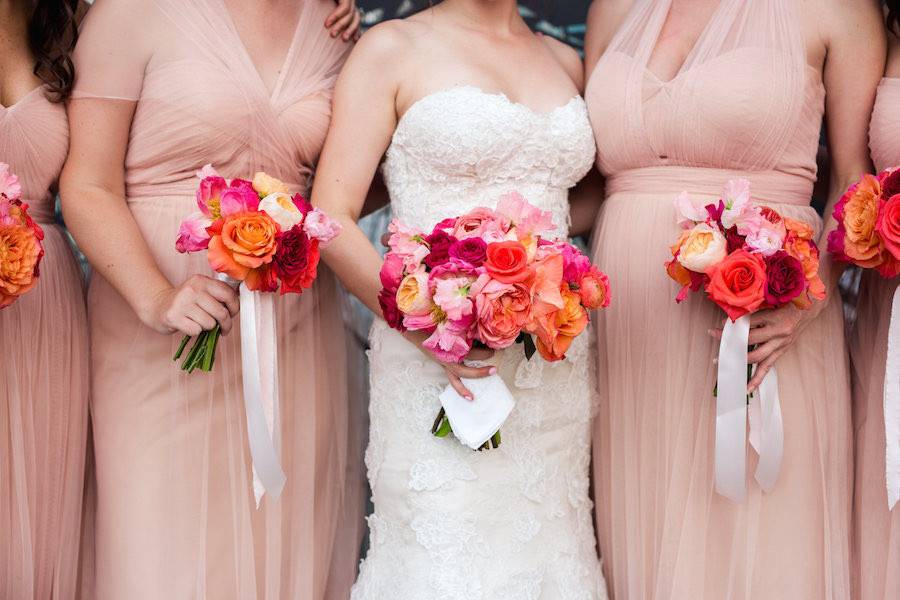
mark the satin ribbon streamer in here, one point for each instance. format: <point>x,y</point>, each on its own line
<point>259,361</point>
<point>766,426</point>
<point>892,406</point>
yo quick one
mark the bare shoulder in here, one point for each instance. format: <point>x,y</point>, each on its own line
<point>847,19</point>
<point>605,17</point>
<point>395,35</point>
<point>568,58</point>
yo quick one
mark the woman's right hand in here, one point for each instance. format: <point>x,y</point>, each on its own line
<point>194,306</point>
<point>456,371</point>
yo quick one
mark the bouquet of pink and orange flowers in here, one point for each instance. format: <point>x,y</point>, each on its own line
<point>746,258</point>
<point>256,234</point>
<point>490,277</point>
<point>21,248</point>
<point>868,217</point>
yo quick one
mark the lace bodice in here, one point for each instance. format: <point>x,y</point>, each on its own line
<point>462,147</point>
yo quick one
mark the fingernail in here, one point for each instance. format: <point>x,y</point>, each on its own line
<point>493,371</point>
<point>469,397</point>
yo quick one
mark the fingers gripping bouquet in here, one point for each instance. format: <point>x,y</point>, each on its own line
<point>746,258</point>
<point>260,238</point>
<point>489,277</point>
<point>21,248</point>
<point>868,236</point>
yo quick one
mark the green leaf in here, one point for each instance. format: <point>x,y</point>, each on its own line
<point>530,348</point>
<point>444,430</point>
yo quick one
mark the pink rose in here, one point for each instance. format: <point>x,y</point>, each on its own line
<point>502,310</point>
<point>192,235</point>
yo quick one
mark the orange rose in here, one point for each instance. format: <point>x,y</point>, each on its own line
<point>861,242</point>
<point>241,243</point>
<point>20,251</point>
<point>738,283</point>
<point>555,330</point>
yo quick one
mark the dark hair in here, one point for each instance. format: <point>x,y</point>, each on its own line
<point>893,16</point>
<point>52,33</point>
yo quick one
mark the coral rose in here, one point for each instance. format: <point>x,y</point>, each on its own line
<point>241,243</point>
<point>502,310</point>
<point>701,248</point>
<point>860,214</point>
<point>20,253</point>
<point>888,225</point>
<point>507,262</point>
<point>414,294</point>
<point>738,283</point>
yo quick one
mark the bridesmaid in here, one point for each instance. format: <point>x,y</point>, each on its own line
<point>44,373</point>
<point>876,539</point>
<point>685,95</point>
<point>164,87</point>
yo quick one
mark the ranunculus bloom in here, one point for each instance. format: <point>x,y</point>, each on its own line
<point>888,225</point>
<point>738,283</point>
<point>192,234</point>
<point>266,185</point>
<point>391,272</point>
<point>296,261</point>
<point>321,227</point>
<point>242,242</point>
<point>414,295</point>
<point>507,262</point>
<point>701,248</point>
<point>20,253</point>
<point>439,243</point>
<point>556,331</point>
<point>238,198</point>
<point>472,250</point>
<point>594,289</point>
<point>785,279</point>
<point>9,183</point>
<point>389,310</point>
<point>860,214</point>
<point>282,209</point>
<point>502,310</point>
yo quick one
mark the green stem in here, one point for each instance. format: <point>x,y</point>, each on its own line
<point>184,342</point>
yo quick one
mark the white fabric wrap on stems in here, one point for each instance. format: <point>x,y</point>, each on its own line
<point>259,368</point>
<point>766,426</point>
<point>892,405</point>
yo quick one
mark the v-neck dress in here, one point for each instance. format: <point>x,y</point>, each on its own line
<point>176,516</point>
<point>43,377</point>
<point>876,530</point>
<point>745,104</point>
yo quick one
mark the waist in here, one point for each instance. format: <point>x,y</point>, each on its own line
<point>772,187</point>
<point>187,188</point>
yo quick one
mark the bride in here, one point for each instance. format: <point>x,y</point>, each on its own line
<point>465,104</point>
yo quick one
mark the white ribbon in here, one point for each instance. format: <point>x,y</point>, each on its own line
<point>767,431</point>
<point>892,406</point>
<point>731,410</point>
<point>259,362</point>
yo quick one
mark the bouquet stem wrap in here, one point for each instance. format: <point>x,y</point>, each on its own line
<point>767,429</point>
<point>259,365</point>
<point>892,405</point>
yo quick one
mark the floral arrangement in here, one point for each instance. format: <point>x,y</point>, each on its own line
<point>21,248</point>
<point>490,277</point>
<point>744,256</point>
<point>256,234</point>
<point>868,217</point>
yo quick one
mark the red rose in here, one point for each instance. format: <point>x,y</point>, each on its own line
<point>785,279</point>
<point>296,260</point>
<point>507,262</point>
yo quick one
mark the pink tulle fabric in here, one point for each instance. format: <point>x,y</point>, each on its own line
<point>876,539</point>
<point>175,507</point>
<point>43,378</point>
<point>744,104</point>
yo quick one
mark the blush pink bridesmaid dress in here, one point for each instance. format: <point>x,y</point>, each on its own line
<point>44,380</point>
<point>176,516</point>
<point>876,539</point>
<point>744,104</point>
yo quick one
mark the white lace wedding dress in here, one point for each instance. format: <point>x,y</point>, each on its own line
<point>506,524</point>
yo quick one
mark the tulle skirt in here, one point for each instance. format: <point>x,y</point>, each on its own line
<point>664,533</point>
<point>176,516</point>
<point>876,539</point>
<point>43,430</point>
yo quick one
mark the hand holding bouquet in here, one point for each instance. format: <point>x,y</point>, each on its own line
<point>489,277</point>
<point>21,249</point>
<point>746,258</point>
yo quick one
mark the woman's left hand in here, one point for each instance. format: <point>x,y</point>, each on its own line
<point>344,20</point>
<point>772,332</point>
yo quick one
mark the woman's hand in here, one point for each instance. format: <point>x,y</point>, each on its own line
<point>344,20</point>
<point>456,371</point>
<point>772,332</point>
<point>194,306</point>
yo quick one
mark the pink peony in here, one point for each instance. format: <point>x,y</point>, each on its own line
<point>502,310</point>
<point>320,226</point>
<point>238,199</point>
<point>9,183</point>
<point>193,235</point>
<point>575,264</point>
<point>594,289</point>
<point>481,223</point>
<point>451,294</point>
<point>451,341</point>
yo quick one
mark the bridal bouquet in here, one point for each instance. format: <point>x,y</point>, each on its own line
<point>21,249</point>
<point>746,258</point>
<point>489,277</point>
<point>255,234</point>
<point>868,236</point>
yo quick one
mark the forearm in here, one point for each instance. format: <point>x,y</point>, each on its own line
<point>355,261</point>
<point>831,270</point>
<point>113,244</point>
